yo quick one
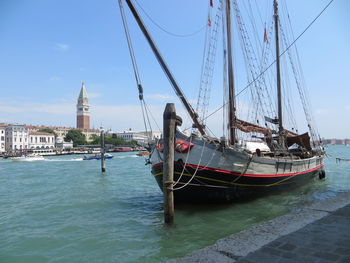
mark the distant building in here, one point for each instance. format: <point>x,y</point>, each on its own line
<point>141,137</point>
<point>62,131</point>
<point>2,137</point>
<point>16,138</point>
<point>83,114</point>
<point>63,145</point>
<point>41,140</point>
<point>153,135</point>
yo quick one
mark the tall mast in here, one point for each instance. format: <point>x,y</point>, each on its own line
<point>231,87</point>
<point>278,71</point>
<point>165,68</point>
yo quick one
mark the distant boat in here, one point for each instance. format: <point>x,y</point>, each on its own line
<point>27,158</point>
<point>143,153</point>
<point>97,157</point>
<point>123,149</point>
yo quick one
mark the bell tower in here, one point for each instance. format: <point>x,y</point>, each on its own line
<point>83,114</point>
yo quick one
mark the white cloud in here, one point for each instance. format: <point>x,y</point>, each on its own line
<point>119,118</point>
<point>62,47</point>
<point>94,95</point>
<point>26,107</point>
<point>324,111</point>
<point>160,97</point>
<point>10,109</point>
<point>55,78</point>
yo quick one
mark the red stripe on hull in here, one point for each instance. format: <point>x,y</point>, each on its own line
<point>247,175</point>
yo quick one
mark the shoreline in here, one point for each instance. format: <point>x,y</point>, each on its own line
<point>67,153</point>
<point>236,246</point>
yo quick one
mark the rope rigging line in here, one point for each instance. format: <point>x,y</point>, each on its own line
<point>196,170</point>
<point>209,55</point>
<point>150,112</point>
<point>166,31</point>
<point>263,72</point>
<point>262,103</point>
<point>184,167</point>
<point>136,72</point>
<point>306,99</point>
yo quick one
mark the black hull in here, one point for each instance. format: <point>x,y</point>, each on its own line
<point>216,186</point>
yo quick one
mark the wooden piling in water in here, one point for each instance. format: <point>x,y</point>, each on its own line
<point>103,159</point>
<point>169,125</point>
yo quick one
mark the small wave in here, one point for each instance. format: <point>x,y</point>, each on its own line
<point>64,160</point>
<point>127,156</point>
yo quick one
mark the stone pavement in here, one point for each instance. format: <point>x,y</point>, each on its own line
<point>317,234</point>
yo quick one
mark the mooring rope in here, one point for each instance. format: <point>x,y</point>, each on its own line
<point>337,159</point>
<point>245,170</point>
<point>197,168</point>
<point>184,165</point>
<point>194,174</point>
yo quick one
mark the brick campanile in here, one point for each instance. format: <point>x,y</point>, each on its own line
<point>83,114</point>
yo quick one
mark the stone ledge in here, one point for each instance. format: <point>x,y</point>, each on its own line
<point>238,245</point>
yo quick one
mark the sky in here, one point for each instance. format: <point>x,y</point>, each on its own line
<point>48,47</point>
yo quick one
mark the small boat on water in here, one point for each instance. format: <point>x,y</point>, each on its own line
<point>27,158</point>
<point>97,157</point>
<point>143,153</point>
<point>123,149</point>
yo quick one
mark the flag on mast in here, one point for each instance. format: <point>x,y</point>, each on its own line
<point>266,39</point>
<point>209,21</point>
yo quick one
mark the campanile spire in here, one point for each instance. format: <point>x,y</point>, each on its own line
<point>83,114</point>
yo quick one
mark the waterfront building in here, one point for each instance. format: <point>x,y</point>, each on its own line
<point>61,132</point>
<point>63,145</point>
<point>2,137</point>
<point>41,140</point>
<point>16,138</point>
<point>141,137</point>
<point>83,114</point>
<point>153,135</point>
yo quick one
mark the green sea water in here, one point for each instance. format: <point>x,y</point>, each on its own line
<point>63,209</point>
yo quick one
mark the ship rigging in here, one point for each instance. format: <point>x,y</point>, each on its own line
<point>256,154</point>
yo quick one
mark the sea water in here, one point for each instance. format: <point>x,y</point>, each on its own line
<point>63,209</point>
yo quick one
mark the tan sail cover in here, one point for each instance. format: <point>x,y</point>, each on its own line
<point>245,126</point>
<point>302,140</point>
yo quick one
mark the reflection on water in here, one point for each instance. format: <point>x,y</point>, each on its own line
<point>64,210</point>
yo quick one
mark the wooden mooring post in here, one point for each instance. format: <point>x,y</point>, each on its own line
<point>169,125</point>
<point>103,159</point>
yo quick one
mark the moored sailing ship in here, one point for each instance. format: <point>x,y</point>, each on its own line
<point>250,159</point>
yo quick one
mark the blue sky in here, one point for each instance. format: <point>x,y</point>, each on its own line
<point>47,47</point>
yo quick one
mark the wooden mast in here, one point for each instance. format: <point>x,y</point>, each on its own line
<point>278,71</point>
<point>166,70</point>
<point>231,87</point>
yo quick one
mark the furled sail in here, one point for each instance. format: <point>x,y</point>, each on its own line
<point>245,126</point>
<point>303,140</point>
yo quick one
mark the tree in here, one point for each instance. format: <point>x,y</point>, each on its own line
<point>76,136</point>
<point>48,130</point>
<point>114,140</point>
<point>95,139</point>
